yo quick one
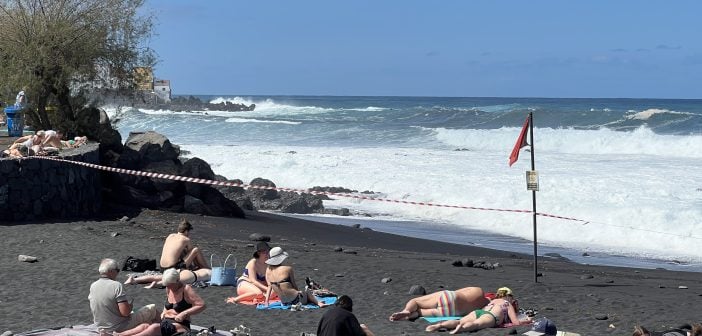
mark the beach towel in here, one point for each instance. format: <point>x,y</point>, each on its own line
<point>437,319</point>
<point>280,305</point>
<point>91,330</point>
<point>256,300</point>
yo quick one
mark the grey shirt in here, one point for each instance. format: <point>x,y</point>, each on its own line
<point>104,296</point>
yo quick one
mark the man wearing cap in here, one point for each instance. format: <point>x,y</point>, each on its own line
<point>110,305</point>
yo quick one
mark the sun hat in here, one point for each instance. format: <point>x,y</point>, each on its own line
<point>170,276</point>
<point>276,256</point>
<point>506,290</point>
<point>261,246</point>
<point>542,326</point>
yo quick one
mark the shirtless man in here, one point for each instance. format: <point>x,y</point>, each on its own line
<point>179,253</point>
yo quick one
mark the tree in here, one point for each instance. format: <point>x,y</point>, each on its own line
<point>67,51</point>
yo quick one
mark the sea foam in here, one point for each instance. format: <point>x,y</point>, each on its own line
<point>620,215</point>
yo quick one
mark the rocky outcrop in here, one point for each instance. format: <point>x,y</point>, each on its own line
<point>190,104</point>
<point>153,152</point>
<point>271,199</point>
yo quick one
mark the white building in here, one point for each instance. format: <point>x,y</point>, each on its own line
<point>162,89</point>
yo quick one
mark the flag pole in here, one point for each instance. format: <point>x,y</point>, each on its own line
<point>533,194</point>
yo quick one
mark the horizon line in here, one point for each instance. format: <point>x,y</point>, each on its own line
<point>424,96</point>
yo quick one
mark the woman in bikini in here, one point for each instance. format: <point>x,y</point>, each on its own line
<point>281,281</point>
<point>252,282</point>
<point>444,303</point>
<point>496,313</point>
<point>182,302</point>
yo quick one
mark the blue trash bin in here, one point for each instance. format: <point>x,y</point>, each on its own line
<point>15,123</point>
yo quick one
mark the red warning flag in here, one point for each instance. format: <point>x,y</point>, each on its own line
<point>521,142</point>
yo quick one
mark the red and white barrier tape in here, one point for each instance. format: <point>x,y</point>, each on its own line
<point>248,186</point>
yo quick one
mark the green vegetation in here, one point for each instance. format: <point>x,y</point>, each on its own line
<point>66,52</point>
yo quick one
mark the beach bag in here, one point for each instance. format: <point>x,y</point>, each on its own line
<point>139,265</point>
<point>223,275</point>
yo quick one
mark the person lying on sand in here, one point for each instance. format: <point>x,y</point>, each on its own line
<point>687,330</point>
<point>179,253</point>
<point>443,303</point>
<point>281,280</point>
<point>496,313</point>
<point>252,282</point>
<point>182,302</point>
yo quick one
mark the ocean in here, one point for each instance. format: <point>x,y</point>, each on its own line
<point>628,169</point>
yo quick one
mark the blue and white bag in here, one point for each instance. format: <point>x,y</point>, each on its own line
<point>223,275</point>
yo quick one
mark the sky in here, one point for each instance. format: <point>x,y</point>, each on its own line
<point>456,48</point>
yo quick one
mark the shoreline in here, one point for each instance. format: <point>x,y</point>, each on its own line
<point>506,243</point>
<point>590,300</point>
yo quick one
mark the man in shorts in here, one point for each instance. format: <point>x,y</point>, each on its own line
<point>110,305</point>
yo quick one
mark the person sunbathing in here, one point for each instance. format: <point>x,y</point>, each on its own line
<point>182,302</point>
<point>52,138</point>
<point>27,145</point>
<point>252,282</point>
<point>496,313</point>
<point>16,153</point>
<point>686,330</point>
<point>443,303</point>
<point>179,253</point>
<point>74,143</point>
<point>281,281</point>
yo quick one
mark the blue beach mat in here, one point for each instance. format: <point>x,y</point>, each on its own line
<point>435,319</point>
<point>279,305</point>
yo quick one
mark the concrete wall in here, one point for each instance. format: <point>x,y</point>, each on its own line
<point>32,189</point>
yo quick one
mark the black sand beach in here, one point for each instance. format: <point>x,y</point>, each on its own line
<point>590,300</point>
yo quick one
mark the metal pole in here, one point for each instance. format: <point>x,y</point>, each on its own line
<point>533,194</point>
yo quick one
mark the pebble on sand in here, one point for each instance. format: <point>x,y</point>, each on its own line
<point>27,258</point>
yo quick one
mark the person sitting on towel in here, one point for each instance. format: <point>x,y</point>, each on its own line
<point>182,302</point>
<point>281,280</point>
<point>443,303</point>
<point>110,305</point>
<point>252,282</point>
<point>179,253</point>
